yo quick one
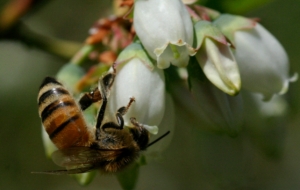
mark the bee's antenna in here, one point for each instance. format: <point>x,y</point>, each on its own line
<point>158,139</point>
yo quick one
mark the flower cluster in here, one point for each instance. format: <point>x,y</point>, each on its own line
<point>233,53</point>
<point>173,49</point>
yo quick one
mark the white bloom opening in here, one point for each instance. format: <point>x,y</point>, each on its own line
<point>165,30</point>
<point>147,86</point>
<point>276,107</point>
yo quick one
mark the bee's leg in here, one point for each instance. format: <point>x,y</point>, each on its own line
<point>140,134</point>
<point>119,116</point>
<point>123,110</point>
<point>89,98</point>
<point>105,84</point>
<point>100,116</point>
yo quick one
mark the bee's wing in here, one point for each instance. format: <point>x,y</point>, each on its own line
<point>61,172</point>
<point>76,157</point>
<point>82,159</point>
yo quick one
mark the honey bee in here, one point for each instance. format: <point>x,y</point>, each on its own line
<point>108,147</point>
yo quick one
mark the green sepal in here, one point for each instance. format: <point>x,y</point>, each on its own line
<point>135,50</point>
<point>205,29</point>
<point>129,176</point>
<point>84,178</point>
<point>228,24</point>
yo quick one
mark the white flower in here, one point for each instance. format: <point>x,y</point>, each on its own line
<point>165,30</point>
<point>216,59</point>
<point>147,86</point>
<point>276,107</point>
<point>263,63</point>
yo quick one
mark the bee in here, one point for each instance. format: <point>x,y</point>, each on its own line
<point>109,146</point>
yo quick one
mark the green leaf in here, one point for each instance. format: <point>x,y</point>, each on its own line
<point>128,177</point>
<point>242,6</point>
<point>235,6</point>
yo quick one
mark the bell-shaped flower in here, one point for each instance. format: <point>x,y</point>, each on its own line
<point>165,30</point>
<point>263,63</point>
<point>135,78</point>
<point>216,59</point>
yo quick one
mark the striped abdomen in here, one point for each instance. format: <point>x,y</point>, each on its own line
<point>61,116</point>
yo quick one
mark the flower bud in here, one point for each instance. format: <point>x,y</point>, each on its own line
<point>165,30</point>
<point>216,59</point>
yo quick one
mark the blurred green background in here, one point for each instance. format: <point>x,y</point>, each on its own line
<point>194,160</point>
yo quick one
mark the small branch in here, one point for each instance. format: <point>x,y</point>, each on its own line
<point>62,48</point>
<point>82,54</point>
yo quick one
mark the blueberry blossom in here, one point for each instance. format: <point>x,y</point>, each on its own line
<point>138,79</point>
<point>216,59</point>
<point>263,63</point>
<point>165,30</point>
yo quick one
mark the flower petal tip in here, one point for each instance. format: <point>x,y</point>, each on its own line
<point>285,87</point>
<point>231,92</point>
<point>192,51</point>
<point>152,129</point>
<point>162,64</point>
<point>294,78</point>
